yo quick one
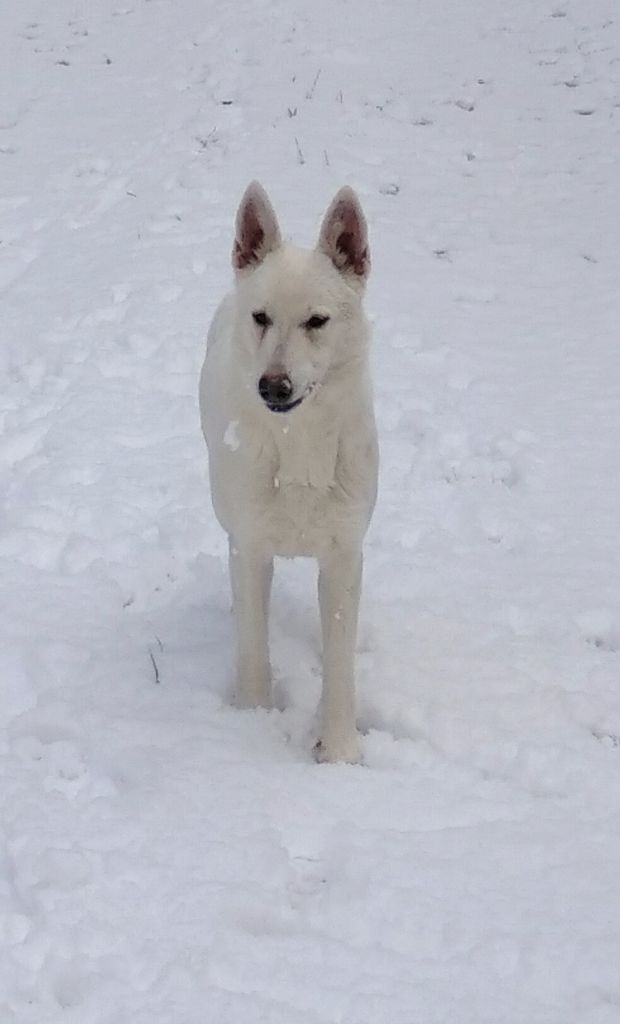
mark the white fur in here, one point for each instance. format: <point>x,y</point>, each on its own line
<point>301,482</point>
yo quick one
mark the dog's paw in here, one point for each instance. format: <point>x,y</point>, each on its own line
<point>345,749</point>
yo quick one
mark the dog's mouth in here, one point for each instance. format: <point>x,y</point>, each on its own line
<point>278,407</point>
<point>288,406</point>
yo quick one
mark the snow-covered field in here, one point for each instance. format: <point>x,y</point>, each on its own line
<point>164,858</point>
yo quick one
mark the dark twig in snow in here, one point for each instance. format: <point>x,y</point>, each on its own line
<point>155,668</point>
<point>310,92</point>
<point>300,156</point>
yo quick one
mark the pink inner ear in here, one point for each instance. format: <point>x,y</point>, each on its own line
<point>356,257</point>
<point>252,236</point>
<point>345,239</point>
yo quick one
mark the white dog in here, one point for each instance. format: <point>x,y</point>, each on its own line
<point>286,409</point>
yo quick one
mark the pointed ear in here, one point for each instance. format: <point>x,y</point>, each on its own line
<point>256,228</point>
<point>344,235</point>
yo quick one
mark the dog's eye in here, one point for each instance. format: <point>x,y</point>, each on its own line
<point>261,318</point>
<point>315,322</point>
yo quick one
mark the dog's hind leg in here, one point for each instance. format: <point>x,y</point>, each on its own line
<point>340,579</point>
<point>251,572</point>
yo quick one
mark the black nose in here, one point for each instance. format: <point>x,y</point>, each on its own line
<point>275,388</point>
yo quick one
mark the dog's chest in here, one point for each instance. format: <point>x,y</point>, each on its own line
<point>290,490</point>
<point>305,459</point>
<point>299,512</point>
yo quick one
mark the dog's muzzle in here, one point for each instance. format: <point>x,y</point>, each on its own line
<point>275,390</point>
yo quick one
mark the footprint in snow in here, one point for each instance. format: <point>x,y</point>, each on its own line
<point>170,293</point>
<point>17,266</point>
<point>112,193</point>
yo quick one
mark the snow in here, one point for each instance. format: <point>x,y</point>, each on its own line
<point>166,858</point>
<point>231,436</point>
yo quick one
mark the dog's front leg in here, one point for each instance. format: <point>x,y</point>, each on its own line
<point>340,579</point>
<point>251,572</point>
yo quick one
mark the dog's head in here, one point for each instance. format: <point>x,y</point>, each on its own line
<point>299,311</point>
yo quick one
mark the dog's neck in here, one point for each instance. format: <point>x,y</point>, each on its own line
<point>307,447</point>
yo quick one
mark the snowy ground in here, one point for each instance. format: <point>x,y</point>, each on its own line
<point>165,859</point>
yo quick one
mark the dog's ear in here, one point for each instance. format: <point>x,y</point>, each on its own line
<point>256,228</point>
<point>344,235</point>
